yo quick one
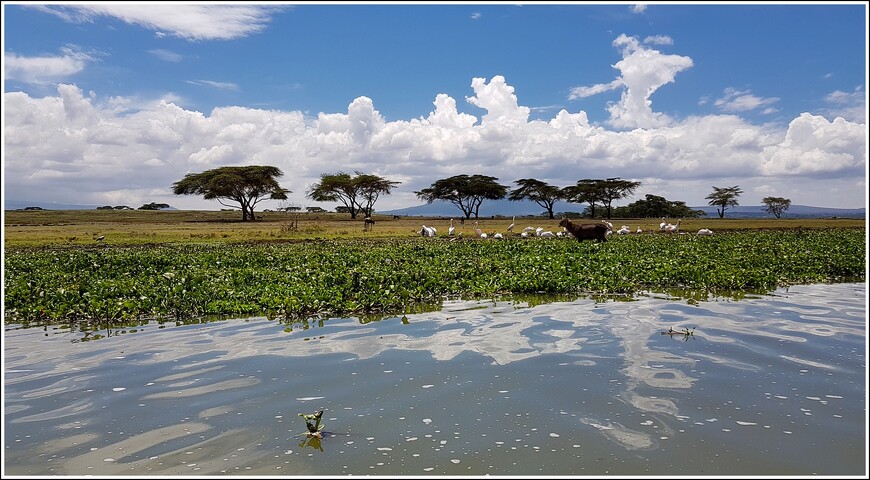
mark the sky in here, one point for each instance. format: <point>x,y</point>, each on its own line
<point>111,103</point>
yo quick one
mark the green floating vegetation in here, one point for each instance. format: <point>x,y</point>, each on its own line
<point>312,423</point>
<point>371,277</point>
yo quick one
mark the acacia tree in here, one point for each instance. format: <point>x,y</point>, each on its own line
<point>776,205</point>
<point>723,198</point>
<point>655,206</point>
<point>464,191</point>
<point>370,188</point>
<point>247,186</point>
<point>614,189</point>
<point>154,206</point>
<point>357,193</point>
<point>537,191</point>
<point>588,191</point>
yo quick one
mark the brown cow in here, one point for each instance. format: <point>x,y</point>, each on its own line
<point>585,231</point>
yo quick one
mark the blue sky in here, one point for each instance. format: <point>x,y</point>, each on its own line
<point>110,103</point>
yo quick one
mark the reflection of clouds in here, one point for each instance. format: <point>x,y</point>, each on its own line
<point>493,329</point>
<point>818,329</point>
<point>70,410</point>
<point>202,389</point>
<point>587,334</point>
<point>645,366</point>
<point>729,362</point>
<point>564,342</point>
<point>809,362</point>
<point>626,437</point>
<point>504,342</point>
<point>174,450</point>
<point>185,375</point>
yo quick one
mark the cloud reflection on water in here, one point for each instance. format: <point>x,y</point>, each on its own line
<point>193,364</point>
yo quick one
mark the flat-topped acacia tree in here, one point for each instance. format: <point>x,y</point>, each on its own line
<point>724,197</point>
<point>246,186</point>
<point>357,193</point>
<point>464,191</point>
<point>539,192</point>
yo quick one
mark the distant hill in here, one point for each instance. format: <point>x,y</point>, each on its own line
<point>795,211</point>
<point>19,205</point>
<point>506,208</point>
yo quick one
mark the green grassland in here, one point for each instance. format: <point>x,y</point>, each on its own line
<point>182,265</point>
<point>140,227</point>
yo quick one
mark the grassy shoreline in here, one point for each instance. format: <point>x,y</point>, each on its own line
<point>143,227</point>
<point>349,274</point>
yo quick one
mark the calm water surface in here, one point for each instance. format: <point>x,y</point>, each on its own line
<point>767,385</point>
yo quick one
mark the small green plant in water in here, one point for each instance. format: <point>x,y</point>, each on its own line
<point>312,422</point>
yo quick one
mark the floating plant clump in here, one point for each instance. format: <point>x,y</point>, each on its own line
<point>312,423</point>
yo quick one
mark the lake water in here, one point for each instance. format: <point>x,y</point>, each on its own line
<point>766,385</point>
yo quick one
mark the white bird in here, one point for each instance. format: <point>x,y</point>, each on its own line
<point>529,229</point>
<point>673,228</point>
<point>609,225</point>
<point>639,230</point>
<point>427,231</point>
<point>547,234</point>
<point>478,231</point>
<point>538,231</point>
<point>705,231</point>
<point>100,238</point>
<point>524,234</point>
<point>452,229</point>
<point>624,230</point>
<point>497,235</point>
<point>513,223</point>
<point>663,224</point>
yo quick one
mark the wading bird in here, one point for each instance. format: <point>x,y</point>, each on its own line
<point>478,231</point>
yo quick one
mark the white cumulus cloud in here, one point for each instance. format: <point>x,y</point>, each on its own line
<point>46,69</point>
<point>84,149</point>
<point>190,21</point>
<point>642,72</point>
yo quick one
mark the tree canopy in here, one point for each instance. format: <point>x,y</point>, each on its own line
<point>776,205</point>
<point>247,186</point>
<point>537,191</point>
<point>588,191</point>
<point>464,191</point>
<point>654,206</point>
<point>357,193</point>
<point>154,206</point>
<point>614,189</point>
<point>723,198</point>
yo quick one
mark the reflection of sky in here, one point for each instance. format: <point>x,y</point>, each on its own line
<point>503,331</point>
<point>654,366</point>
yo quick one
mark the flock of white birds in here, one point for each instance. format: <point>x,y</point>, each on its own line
<point>530,231</point>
